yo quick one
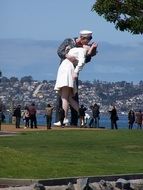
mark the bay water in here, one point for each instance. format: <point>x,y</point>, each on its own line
<point>103,122</point>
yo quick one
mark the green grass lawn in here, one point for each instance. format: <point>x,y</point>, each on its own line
<point>52,154</point>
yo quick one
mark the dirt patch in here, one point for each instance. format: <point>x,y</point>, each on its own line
<point>11,130</point>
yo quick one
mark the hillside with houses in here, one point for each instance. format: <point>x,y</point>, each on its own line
<point>23,91</point>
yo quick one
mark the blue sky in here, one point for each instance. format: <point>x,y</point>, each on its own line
<point>120,53</point>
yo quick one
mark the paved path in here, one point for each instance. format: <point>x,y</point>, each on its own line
<point>12,128</point>
<point>9,129</point>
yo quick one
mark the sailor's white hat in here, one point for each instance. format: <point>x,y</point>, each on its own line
<point>85,33</point>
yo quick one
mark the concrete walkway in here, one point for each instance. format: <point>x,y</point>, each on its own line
<point>9,129</point>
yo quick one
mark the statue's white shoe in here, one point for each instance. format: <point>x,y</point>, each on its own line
<point>57,123</point>
<point>66,121</point>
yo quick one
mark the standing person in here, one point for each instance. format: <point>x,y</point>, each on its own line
<point>131,118</point>
<point>48,114</point>
<point>83,39</point>
<point>0,115</point>
<point>139,119</point>
<point>94,122</point>
<point>82,110</point>
<point>86,118</point>
<point>113,117</point>
<point>17,114</point>
<point>66,78</point>
<point>32,113</point>
<point>26,117</point>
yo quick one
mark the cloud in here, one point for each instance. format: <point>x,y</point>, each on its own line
<point>28,57</point>
<point>39,59</point>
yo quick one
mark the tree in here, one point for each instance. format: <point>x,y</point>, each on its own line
<point>14,79</point>
<point>127,15</point>
<point>26,79</point>
<point>5,80</point>
<point>45,81</point>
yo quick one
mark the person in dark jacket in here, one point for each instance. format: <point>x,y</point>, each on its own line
<point>17,114</point>
<point>114,117</point>
<point>0,114</point>
<point>83,39</point>
<point>32,113</point>
<point>94,122</point>
<point>131,118</point>
<point>82,110</point>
